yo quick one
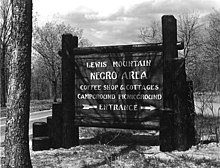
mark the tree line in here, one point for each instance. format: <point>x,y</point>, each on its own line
<point>46,67</point>
<point>46,62</point>
<point>200,35</point>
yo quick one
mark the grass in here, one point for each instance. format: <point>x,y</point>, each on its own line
<point>119,156</point>
<point>119,148</point>
<point>207,125</point>
<point>40,105</point>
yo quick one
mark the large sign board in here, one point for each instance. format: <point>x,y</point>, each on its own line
<point>118,87</point>
<point>127,86</point>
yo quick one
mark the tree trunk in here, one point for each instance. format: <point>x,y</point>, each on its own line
<point>3,76</point>
<point>17,123</point>
<point>54,90</point>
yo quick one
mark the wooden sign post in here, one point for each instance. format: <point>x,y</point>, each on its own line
<point>169,32</point>
<point>70,132</point>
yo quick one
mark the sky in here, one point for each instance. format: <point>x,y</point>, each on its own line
<point>114,22</point>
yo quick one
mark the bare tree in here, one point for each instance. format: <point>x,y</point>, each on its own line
<point>17,123</point>
<point>5,34</point>
<point>212,48</point>
<point>47,42</point>
<point>40,86</point>
<point>190,31</point>
<point>189,28</point>
<point>151,34</point>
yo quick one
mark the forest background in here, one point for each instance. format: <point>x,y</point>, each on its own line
<point>200,34</point>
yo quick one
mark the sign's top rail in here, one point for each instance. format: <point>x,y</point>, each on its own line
<point>123,48</point>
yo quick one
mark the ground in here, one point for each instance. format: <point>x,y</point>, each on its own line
<point>127,156</point>
<point>129,151</point>
<point>101,148</point>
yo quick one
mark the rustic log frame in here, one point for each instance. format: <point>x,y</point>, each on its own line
<point>177,116</point>
<point>70,132</point>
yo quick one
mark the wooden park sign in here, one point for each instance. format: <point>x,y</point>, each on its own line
<point>117,89</point>
<point>128,86</point>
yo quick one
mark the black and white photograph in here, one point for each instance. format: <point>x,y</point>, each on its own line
<point>109,83</point>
